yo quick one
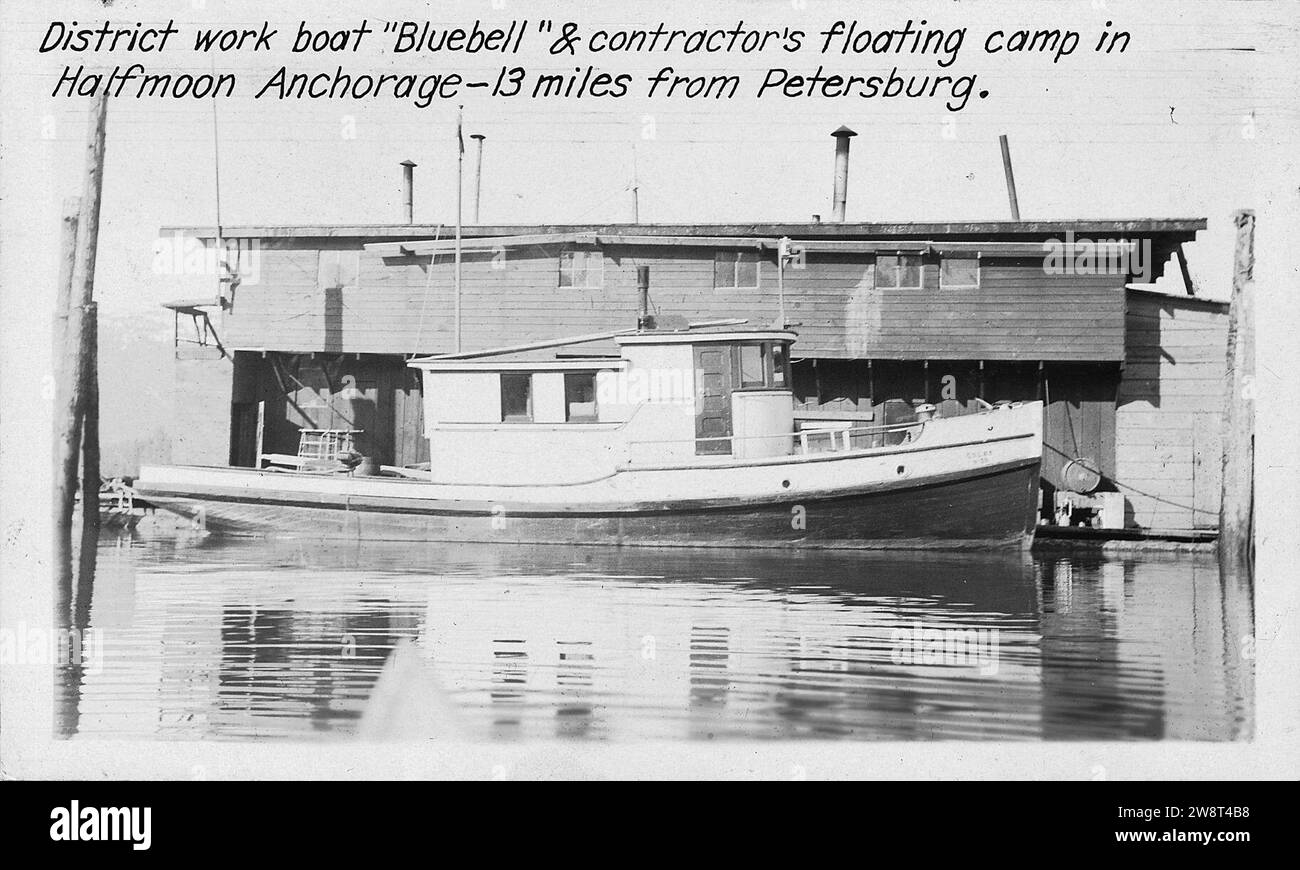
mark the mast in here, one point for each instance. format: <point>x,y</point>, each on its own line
<point>460,190</point>
<point>636,190</point>
<point>782,254</point>
<point>478,174</point>
<point>216,165</point>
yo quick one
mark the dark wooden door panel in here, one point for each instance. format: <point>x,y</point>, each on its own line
<point>713,399</point>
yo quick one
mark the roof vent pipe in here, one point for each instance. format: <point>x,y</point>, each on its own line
<point>842,136</point>
<point>408,189</point>
<point>644,320</point>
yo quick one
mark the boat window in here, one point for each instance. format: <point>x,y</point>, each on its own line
<point>735,269</point>
<point>902,271</point>
<point>959,272</point>
<point>753,365</point>
<point>516,398</point>
<point>580,397</point>
<point>761,365</point>
<point>780,365</point>
<point>580,268</point>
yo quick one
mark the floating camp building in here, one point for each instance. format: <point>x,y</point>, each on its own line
<point>315,325</point>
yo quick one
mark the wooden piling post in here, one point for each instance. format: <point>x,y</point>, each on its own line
<point>1236,511</point>
<point>90,478</point>
<point>76,365</point>
<point>63,497</point>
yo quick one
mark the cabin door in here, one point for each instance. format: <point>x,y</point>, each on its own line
<point>713,398</point>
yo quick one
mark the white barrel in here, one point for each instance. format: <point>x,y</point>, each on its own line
<point>762,423</point>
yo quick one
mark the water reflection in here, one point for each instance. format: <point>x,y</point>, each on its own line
<point>202,639</point>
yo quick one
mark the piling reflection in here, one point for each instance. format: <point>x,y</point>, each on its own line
<point>238,639</point>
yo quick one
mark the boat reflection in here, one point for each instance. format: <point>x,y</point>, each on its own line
<point>239,638</point>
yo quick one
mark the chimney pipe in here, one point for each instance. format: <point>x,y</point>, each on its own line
<point>408,189</point>
<point>644,319</point>
<point>1011,178</point>
<point>842,136</point>
<point>478,173</point>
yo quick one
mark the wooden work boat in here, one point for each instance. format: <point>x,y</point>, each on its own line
<point>686,438</point>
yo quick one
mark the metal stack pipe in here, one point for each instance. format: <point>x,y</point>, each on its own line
<point>408,189</point>
<point>842,137</point>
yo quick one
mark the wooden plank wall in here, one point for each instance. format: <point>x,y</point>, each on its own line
<point>1169,416</point>
<point>285,308</point>
<point>377,394</point>
<point>404,305</point>
<point>1078,417</point>
<point>1018,313</point>
<point>200,424</point>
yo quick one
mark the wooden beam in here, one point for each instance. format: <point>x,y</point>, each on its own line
<point>1188,281</point>
<point>565,342</point>
<point>520,348</point>
<point>867,246</point>
<point>444,246</point>
<point>689,241</point>
<point>398,232</point>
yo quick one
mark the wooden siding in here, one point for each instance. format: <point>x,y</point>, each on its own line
<point>1079,419</point>
<point>1079,398</point>
<point>405,304</point>
<point>379,395</point>
<point>200,425</point>
<point>1017,313</point>
<point>1169,415</point>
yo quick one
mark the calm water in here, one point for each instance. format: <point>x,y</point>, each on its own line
<point>226,639</point>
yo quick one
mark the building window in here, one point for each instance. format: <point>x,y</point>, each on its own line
<point>582,268</point>
<point>736,269</point>
<point>580,397</point>
<point>902,272</point>
<point>959,272</point>
<point>516,398</point>
<point>338,268</point>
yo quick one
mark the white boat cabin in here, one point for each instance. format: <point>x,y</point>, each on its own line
<point>668,398</point>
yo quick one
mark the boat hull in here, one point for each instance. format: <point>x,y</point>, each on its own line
<point>981,508</point>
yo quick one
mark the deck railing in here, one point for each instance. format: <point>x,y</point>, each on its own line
<point>802,443</point>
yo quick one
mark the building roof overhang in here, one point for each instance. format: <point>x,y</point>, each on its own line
<point>951,230</point>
